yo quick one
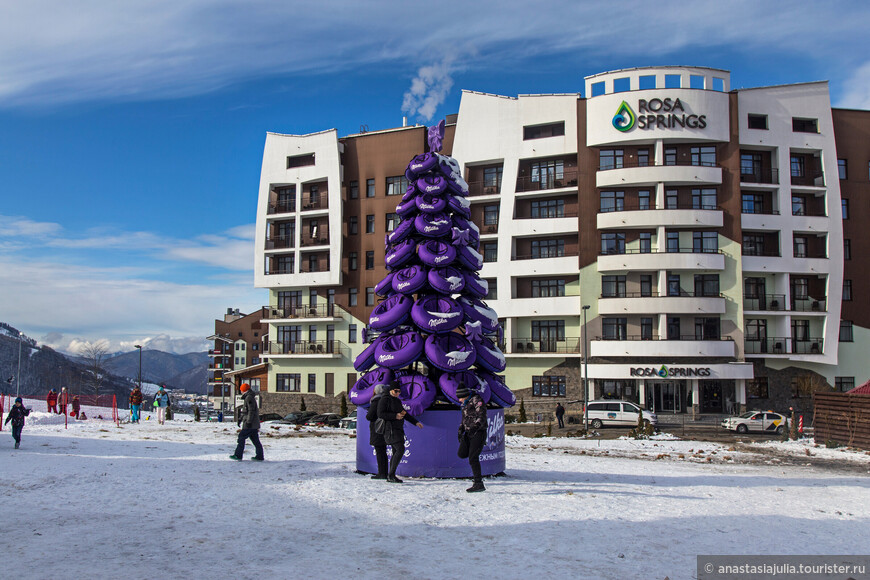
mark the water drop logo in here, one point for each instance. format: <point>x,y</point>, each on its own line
<point>624,119</point>
<point>663,372</point>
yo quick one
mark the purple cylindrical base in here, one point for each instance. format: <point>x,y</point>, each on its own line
<point>431,451</point>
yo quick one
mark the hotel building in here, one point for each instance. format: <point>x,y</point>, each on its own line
<point>710,232</point>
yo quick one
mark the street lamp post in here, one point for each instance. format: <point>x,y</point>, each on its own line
<point>18,376</point>
<point>585,373</point>
<point>139,346</point>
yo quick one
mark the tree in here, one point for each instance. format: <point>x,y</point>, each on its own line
<point>302,404</point>
<point>343,411</point>
<point>94,354</point>
<point>523,418</point>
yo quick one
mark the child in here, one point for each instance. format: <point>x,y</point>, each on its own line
<point>17,414</point>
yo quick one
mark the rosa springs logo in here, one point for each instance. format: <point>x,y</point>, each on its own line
<point>663,372</point>
<point>624,119</point>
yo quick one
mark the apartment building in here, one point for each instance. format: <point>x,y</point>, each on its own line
<point>236,356</point>
<point>687,236</point>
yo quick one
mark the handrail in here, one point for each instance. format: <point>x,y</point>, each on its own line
<point>634,163</point>
<point>300,311</point>
<point>682,294</point>
<point>682,337</point>
<point>678,251</point>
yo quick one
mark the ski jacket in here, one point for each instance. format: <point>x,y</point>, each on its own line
<point>560,410</point>
<point>136,397</point>
<point>17,415</point>
<point>473,414</point>
<point>375,439</point>
<point>249,416</point>
<point>162,400</point>
<point>52,399</point>
<point>388,407</point>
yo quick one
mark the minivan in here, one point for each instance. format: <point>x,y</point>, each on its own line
<point>603,413</point>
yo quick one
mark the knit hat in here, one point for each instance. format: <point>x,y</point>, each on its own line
<point>244,388</point>
<point>19,400</point>
<point>462,392</point>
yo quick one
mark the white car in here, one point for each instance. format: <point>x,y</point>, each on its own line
<point>617,413</point>
<point>757,421</point>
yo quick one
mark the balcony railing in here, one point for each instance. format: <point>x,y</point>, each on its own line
<point>682,294</point>
<point>546,346</point>
<point>317,311</point>
<point>572,213</point>
<point>568,178</point>
<point>308,348</point>
<point>544,257</point>
<point>306,268</point>
<point>759,211</point>
<point>760,176</point>
<point>760,253</point>
<point>319,204</point>
<point>217,351</point>
<point>632,163</point>
<point>279,270</point>
<point>279,242</point>
<point>777,302</point>
<point>622,251</point>
<point>282,207</point>
<point>321,239</point>
<point>481,188</point>
<point>816,179</point>
<point>616,207</point>
<point>635,337</point>
<point>784,345</point>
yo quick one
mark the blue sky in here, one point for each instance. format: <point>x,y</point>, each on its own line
<point>131,133</point>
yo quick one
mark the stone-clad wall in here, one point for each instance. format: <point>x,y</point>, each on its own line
<point>283,403</point>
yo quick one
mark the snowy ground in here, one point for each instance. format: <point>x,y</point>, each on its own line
<point>152,501</point>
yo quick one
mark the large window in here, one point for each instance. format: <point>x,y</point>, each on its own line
<point>547,288</point>
<point>490,215</point>
<point>353,190</point>
<point>707,285</point>
<point>288,382</point>
<point>674,284</point>
<point>546,173</point>
<point>705,156</point>
<point>798,205</point>
<point>705,242</point>
<point>312,383</point>
<point>646,285</point>
<point>610,159</point>
<point>645,242</point>
<point>397,185</point>
<point>548,248</point>
<point>672,199</point>
<point>612,201</point>
<point>492,179</point>
<point>798,166</point>
<point>672,242</point>
<point>703,199</point>
<point>352,225</point>
<point>847,290</point>
<point>612,243</point>
<point>549,208</point>
<point>614,328</point>
<point>643,199</point>
<point>670,156</point>
<point>753,244</point>
<point>351,333</point>
<point>547,333</point>
<point>707,328</point>
<point>613,286</point>
<point>757,121</point>
<point>490,251</point>
<point>542,131</point>
<point>352,261</point>
<point>799,125</point>
<point>352,296</point>
<point>750,166</point>
<point>552,386</point>
<point>752,202</point>
<point>800,246</point>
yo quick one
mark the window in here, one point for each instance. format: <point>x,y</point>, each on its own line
<point>612,201</point>
<point>707,328</point>
<point>750,167</point>
<point>846,331</point>
<point>646,82</point>
<point>847,249</point>
<point>798,205</point>
<point>353,190</point>
<point>643,157</point>
<point>312,333</point>
<point>804,125</point>
<point>645,243</point>
<point>550,208</point>
<point>351,333</point>
<point>492,179</point>
<point>352,225</point>
<point>352,261</point>
<point>370,187</point>
<point>622,85</point>
<point>490,215</point>
<point>370,260</point>
<point>313,265</point>
<point>670,156</point>
<point>547,288</point>
<point>288,382</point>
<point>544,386</point>
<point>492,294</point>
<point>314,196</point>
<point>672,81</point>
<point>844,384</point>
<point>800,288</point>
<point>612,243</point>
<point>547,173</point>
<point>370,224</point>
<point>542,131</point>
<point>490,251</point>
<point>610,159</point>
<point>352,296</point>
<point>643,199</point>
<point>255,346</point>
<point>312,383</point>
<point>847,290</point>
<point>753,244</point>
<point>597,89</point>
<point>757,388</point>
<point>614,328</point>
<point>844,204</point>
<point>613,286</point>
<point>370,296</point>
<point>674,285</point>
<point>752,203</point>
<point>646,285</point>
<point>300,160</point>
<point>547,333</point>
<point>800,246</point>
<point>696,82</point>
<point>705,242</point>
<point>673,242</point>
<point>718,84</point>
<point>392,221</point>
<point>548,248</point>
<point>705,156</point>
<point>703,199</point>
<point>757,121</point>
<point>673,328</point>
<point>286,201</point>
<point>842,169</point>
<point>292,298</point>
<point>672,199</point>
<point>397,185</point>
<point>800,331</point>
<point>312,229</point>
<point>798,166</point>
<point>646,328</point>
<point>707,285</point>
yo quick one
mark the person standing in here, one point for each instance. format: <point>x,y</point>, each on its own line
<point>560,412</point>
<point>62,401</point>
<point>17,414</point>
<point>472,433</point>
<point>376,440</point>
<point>390,410</point>
<point>51,400</point>
<point>162,400</point>
<point>249,421</point>
<point>76,406</point>
<point>135,404</point>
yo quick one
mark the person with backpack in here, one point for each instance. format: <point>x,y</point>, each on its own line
<point>161,401</point>
<point>135,404</point>
<point>472,432</point>
<point>17,414</point>
<point>249,421</point>
<point>376,439</point>
<point>394,415</point>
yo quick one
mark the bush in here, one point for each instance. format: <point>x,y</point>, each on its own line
<point>343,410</point>
<point>510,418</point>
<point>641,430</point>
<point>831,444</point>
<point>302,405</point>
<point>523,417</point>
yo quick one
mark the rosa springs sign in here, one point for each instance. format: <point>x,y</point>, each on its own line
<point>670,373</point>
<point>656,113</point>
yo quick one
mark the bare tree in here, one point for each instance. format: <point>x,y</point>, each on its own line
<point>95,360</point>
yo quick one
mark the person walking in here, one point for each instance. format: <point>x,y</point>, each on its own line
<point>391,411</point>
<point>560,412</point>
<point>51,400</point>
<point>62,401</point>
<point>249,421</point>
<point>472,433</point>
<point>376,440</point>
<point>76,406</point>
<point>162,400</point>
<point>135,404</point>
<point>17,414</point>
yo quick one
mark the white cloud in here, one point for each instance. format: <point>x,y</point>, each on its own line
<point>856,94</point>
<point>429,89</point>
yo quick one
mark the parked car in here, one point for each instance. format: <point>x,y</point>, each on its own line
<point>603,413</point>
<point>297,417</point>
<point>325,420</point>
<point>348,422</point>
<point>270,417</point>
<point>757,421</point>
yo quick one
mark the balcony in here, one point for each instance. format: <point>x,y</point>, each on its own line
<point>218,366</point>
<point>321,239</point>
<point>529,346</point>
<point>282,207</point>
<point>758,175</point>
<point>219,352</point>
<point>653,346</point>
<point>777,303</point>
<point>685,259</point>
<point>652,303</point>
<point>527,184</point>
<point>649,174</point>
<point>279,242</point>
<point>814,179</point>
<point>274,313</point>
<point>318,204</point>
<point>783,346</point>
<point>308,348</point>
<point>652,218</point>
<point>478,188</point>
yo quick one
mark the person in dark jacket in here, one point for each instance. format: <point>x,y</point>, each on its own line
<point>135,404</point>
<point>376,440</point>
<point>560,412</point>
<point>472,432</point>
<point>390,410</point>
<point>249,421</point>
<point>17,414</point>
<point>51,400</point>
<point>76,406</point>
